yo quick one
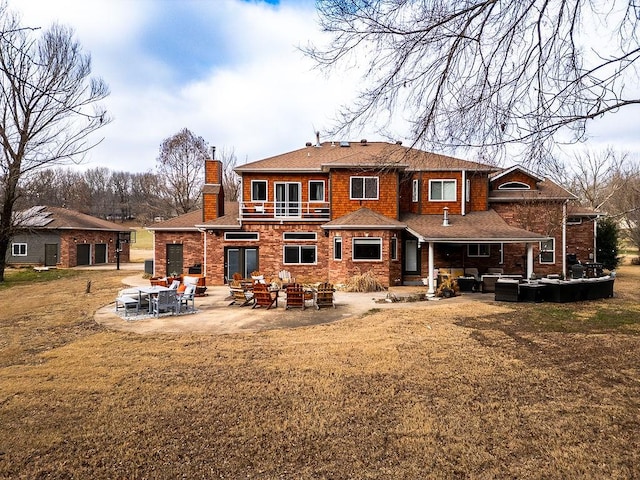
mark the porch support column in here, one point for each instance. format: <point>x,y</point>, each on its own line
<point>564,239</point>
<point>529,260</point>
<point>431,289</point>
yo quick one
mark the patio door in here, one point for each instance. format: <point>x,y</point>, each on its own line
<point>242,260</point>
<point>287,196</point>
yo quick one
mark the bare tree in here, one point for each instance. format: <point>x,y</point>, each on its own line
<point>48,108</point>
<point>230,179</point>
<point>181,165</point>
<point>484,73</point>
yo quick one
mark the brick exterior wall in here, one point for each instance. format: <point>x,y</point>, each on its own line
<point>70,239</point>
<point>580,239</point>
<point>192,250</point>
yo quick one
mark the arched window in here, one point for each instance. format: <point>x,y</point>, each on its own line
<point>514,186</point>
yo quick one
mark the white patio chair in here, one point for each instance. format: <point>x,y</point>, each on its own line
<point>165,301</point>
<point>189,295</point>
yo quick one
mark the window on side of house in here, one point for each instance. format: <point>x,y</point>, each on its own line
<point>242,236</point>
<point>514,186</point>
<point>299,254</point>
<point>316,190</point>
<point>547,251</point>
<point>442,190</point>
<point>258,190</point>
<point>367,249</point>
<point>393,246</point>
<point>19,249</point>
<point>337,248</point>
<point>288,236</point>
<point>478,250</point>
<point>415,190</point>
<point>364,188</point>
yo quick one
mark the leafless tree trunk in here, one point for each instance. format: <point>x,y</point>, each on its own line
<point>484,73</point>
<point>230,179</point>
<point>48,108</point>
<point>181,166</point>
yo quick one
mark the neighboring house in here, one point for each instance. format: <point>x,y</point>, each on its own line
<point>58,237</point>
<point>330,211</point>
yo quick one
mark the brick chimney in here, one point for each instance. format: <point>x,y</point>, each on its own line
<point>212,192</point>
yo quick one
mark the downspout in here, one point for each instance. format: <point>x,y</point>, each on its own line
<point>463,210</point>
<point>564,239</point>
<point>595,239</point>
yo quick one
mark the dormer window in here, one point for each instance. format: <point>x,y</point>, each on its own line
<point>514,186</point>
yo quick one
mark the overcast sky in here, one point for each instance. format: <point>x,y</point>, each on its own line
<point>229,70</point>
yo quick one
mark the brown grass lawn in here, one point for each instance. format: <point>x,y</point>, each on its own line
<point>542,391</point>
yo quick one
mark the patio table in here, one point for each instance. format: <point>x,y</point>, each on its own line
<point>151,291</point>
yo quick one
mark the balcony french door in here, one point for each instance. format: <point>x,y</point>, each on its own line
<point>287,199</point>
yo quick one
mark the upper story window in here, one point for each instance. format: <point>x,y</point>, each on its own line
<point>442,190</point>
<point>258,190</point>
<point>415,190</point>
<point>316,190</point>
<point>514,186</point>
<point>364,188</point>
<point>19,249</point>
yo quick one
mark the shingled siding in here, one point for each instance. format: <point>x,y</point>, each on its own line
<point>388,190</point>
<point>272,179</point>
<point>192,249</point>
<point>515,176</point>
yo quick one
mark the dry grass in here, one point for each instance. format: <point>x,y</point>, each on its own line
<point>503,391</point>
<point>365,282</point>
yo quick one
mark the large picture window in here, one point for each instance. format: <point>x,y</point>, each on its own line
<point>367,249</point>
<point>297,254</point>
<point>547,251</point>
<point>258,190</point>
<point>364,188</point>
<point>442,190</point>
<point>19,249</point>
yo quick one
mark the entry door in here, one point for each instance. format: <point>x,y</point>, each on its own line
<point>101,252</point>
<point>50,254</point>
<point>83,255</point>
<point>242,260</point>
<point>174,258</point>
<point>287,195</point>
<point>411,257</point>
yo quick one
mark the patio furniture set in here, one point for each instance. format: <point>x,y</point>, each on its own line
<point>255,292</point>
<point>156,299</point>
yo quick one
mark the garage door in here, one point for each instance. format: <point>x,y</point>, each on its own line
<point>84,254</point>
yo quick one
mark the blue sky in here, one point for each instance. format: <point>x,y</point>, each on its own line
<point>229,70</point>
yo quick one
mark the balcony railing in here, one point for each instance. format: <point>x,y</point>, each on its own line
<point>285,211</point>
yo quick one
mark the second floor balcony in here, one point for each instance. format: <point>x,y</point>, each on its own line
<point>285,211</point>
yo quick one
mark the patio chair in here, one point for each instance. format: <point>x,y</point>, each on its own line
<point>295,296</point>
<point>285,277</point>
<point>263,296</point>
<point>163,302</point>
<point>189,295</point>
<point>241,295</point>
<point>174,285</point>
<point>324,296</point>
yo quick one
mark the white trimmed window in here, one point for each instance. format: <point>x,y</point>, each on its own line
<point>547,251</point>
<point>316,190</point>
<point>299,254</point>
<point>415,190</point>
<point>258,190</point>
<point>478,250</point>
<point>514,186</point>
<point>337,248</point>
<point>393,246</point>
<point>442,190</point>
<point>19,249</point>
<point>364,188</point>
<point>367,249</point>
